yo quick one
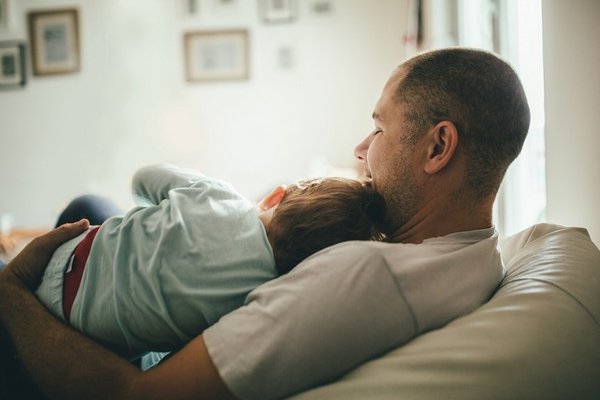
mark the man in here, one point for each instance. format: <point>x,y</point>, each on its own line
<point>447,125</point>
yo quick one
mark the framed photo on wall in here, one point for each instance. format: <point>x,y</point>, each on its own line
<point>4,20</point>
<point>278,11</point>
<point>12,65</point>
<point>216,55</point>
<point>54,38</point>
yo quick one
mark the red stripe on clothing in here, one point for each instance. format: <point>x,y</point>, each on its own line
<point>73,276</point>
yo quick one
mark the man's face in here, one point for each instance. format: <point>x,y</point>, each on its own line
<point>389,157</point>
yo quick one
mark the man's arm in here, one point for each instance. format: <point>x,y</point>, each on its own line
<point>64,364</point>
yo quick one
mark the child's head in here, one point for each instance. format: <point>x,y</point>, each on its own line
<point>313,214</point>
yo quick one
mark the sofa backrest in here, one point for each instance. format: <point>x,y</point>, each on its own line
<point>537,338</point>
<point>563,257</point>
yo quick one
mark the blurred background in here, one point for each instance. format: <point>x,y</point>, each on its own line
<point>312,71</point>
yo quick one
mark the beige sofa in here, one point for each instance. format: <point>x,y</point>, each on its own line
<point>537,338</point>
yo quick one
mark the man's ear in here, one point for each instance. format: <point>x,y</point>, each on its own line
<point>273,198</point>
<point>441,147</point>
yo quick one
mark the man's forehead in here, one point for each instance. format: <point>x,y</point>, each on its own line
<point>379,111</point>
<point>388,94</point>
<point>386,110</point>
<point>386,103</point>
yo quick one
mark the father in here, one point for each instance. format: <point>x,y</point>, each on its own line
<point>446,127</point>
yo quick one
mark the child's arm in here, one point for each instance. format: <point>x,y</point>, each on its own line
<point>151,184</point>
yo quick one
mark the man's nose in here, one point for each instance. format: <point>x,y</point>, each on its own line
<point>360,151</point>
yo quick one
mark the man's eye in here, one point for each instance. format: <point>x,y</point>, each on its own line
<point>376,132</point>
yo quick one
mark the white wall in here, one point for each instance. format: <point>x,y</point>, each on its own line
<point>130,105</point>
<point>572,87</point>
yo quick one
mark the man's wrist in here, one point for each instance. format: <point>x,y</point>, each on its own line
<point>8,278</point>
<point>10,287</point>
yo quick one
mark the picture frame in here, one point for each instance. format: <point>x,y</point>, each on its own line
<point>192,7</point>
<point>216,55</point>
<point>4,17</point>
<point>278,11</point>
<point>54,38</point>
<point>13,71</point>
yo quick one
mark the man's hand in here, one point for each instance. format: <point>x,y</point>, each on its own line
<point>67,365</point>
<point>27,268</point>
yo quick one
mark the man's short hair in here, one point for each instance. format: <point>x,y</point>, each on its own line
<point>319,213</point>
<point>482,95</point>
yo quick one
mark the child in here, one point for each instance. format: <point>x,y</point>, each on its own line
<point>156,277</point>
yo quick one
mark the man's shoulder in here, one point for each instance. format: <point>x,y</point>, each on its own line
<point>372,252</point>
<point>323,305</point>
<point>357,246</point>
<point>351,253</point>
<point>443,258</point>
<point>340,266</point>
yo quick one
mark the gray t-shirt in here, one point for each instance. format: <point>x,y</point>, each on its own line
<point>347,304</point>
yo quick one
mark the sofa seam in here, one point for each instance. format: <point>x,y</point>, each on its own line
<point>564,291</point>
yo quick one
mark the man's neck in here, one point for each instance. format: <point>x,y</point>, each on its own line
<point>435,220</point>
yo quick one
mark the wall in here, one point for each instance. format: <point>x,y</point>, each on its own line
<point>130,105</point>
<point>572,87</point>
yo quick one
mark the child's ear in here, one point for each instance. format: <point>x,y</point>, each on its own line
<point>273,198</point>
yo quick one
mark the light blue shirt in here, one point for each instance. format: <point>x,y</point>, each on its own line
<point>168,269</point>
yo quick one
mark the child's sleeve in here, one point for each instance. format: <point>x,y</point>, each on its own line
<point>151,185</point>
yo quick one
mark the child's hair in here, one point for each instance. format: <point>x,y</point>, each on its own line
<point>318,213</point>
